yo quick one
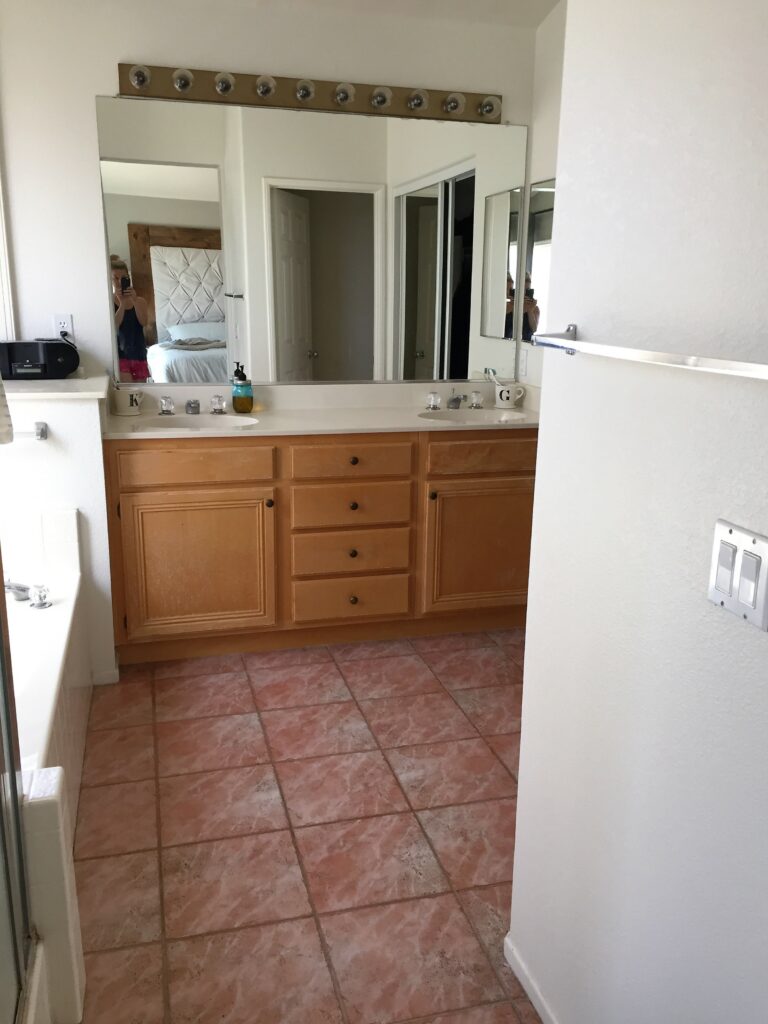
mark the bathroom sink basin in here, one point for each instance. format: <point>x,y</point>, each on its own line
<point>204,421</point>
<point>497,417</point>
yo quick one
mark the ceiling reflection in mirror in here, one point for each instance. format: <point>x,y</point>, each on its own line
<point>309,246</point>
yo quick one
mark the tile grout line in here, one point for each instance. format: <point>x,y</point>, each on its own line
<point>452,889</point>
<point>166,971</point>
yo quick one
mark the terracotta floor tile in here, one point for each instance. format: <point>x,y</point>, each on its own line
<point>204,744</point>
<point>508,749</point>
<point>119,900</point>
<point>124,986</point>
<point>371,649</point>
<point>137,673</point>
<point>526,1011</point>
<point>497,1013</point>
<point>119,755</point>
<point>475,842</point>
<point>493,709</point>
<point>389,677</point>
<point>399,721</point>
<point>207,696</point>
<point>214,664</point>
<point>116,819</point>
<point>480,666</point>
<point>451,642</point>
<point>505,637</point>
<point>373,860</point>
<point>275,974</point>
<point>455,772</point>
<point>230,883</point>
<point>407,960</point>
<point>115,707</point>
<point>340,786</point>
<point>489,910</point>
<point>281,659</point>
<point>217,805</point>
<point>297,685</point>
<point>311,732</point>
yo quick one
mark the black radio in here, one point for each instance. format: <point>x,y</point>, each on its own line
<point>41,359</point>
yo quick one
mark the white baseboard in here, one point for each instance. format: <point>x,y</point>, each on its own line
<point>524,977</point>
<point>112,675</point>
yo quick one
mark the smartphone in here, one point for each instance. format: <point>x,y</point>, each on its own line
<point>125,283</point>
<point>529,293</point>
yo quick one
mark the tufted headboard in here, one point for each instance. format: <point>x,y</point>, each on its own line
<point>188,286</point>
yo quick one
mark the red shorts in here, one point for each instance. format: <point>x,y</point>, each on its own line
<point>137,369</point>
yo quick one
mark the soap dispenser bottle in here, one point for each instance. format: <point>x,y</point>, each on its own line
<point>242,390</point>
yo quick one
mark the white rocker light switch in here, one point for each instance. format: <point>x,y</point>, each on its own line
<point>738,578</point>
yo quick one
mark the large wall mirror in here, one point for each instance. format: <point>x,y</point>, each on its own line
<point>310,246</point>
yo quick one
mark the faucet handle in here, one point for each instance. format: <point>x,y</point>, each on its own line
<point>167,408</point>
<point>433,401</point>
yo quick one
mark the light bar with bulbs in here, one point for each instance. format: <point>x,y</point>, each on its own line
<point>263,90</point>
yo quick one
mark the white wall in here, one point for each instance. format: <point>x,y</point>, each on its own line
<point>53,173</point>
<point>639,879</point>
<point>122,210</point>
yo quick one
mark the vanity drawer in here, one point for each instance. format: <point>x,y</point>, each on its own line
<point>357,597</point>
<point>321,461</point>
<point>363,504</point>
<point>351,551</point>
<point>507,455</point>
<point>182,465</point>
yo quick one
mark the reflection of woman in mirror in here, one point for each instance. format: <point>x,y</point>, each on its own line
<point>531,311</point>
<point>131,316</point>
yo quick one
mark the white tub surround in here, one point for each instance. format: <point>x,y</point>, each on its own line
<point>53,899</point>
<point>63,473</point>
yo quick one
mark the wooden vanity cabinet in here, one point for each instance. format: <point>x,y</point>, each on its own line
<point>315,539</point>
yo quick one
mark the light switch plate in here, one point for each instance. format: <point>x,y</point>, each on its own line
<point>738,577</point>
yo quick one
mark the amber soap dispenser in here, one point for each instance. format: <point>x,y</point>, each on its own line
<point>242,390</point>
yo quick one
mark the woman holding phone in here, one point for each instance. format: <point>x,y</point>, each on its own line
<point>131,317</point>
<point>531,311</point>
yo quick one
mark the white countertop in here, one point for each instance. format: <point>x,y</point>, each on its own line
<point>70,388</point>
<point>298,421</point>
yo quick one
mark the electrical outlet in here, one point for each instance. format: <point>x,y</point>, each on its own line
<point>63,322</point>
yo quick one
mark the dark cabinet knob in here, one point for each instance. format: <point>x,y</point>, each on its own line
<point>353,599</point>
<point>354,506</point>
<point>354,460</point>
<point>353,553</point>
<point>269,503</point>
<point>433,495</point>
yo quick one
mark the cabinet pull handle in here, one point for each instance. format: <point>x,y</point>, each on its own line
<point>433,495</point>
<point>354,506</point>
<point>353,553</point>
<point>353,599</point>
<point>354,460</point>
<point>269,503</point>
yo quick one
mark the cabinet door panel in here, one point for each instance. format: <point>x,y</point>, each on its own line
<point>478,539</point>
<point>198,562</point>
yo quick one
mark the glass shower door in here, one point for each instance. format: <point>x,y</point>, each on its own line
<point>14,928</point>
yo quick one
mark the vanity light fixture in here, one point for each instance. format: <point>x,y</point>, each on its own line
<point>183,80</point>
<point>204,85</point>
<point>454,103</point>
<point>224,83</point>
<point>140,76</point>
<point>490,108</point>
<point>345,93</point>
<point>381,97</point>
<point>418,100</point>
<point>266,86</point>
<point>305,90</point>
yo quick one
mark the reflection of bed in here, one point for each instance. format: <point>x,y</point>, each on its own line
<point>181,272</point>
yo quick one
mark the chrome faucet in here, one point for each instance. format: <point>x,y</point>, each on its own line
<point>454,402</point>
<point>20,591</point>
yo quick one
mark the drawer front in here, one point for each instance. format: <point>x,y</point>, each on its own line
<point>507,455</point>
<point>349,460</point>
<point>351,551</point>
<point>363,504</point>
<point>181,466</point>
<point>357,597</point>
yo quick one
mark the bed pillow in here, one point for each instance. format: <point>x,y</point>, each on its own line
<point>210,330</point>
